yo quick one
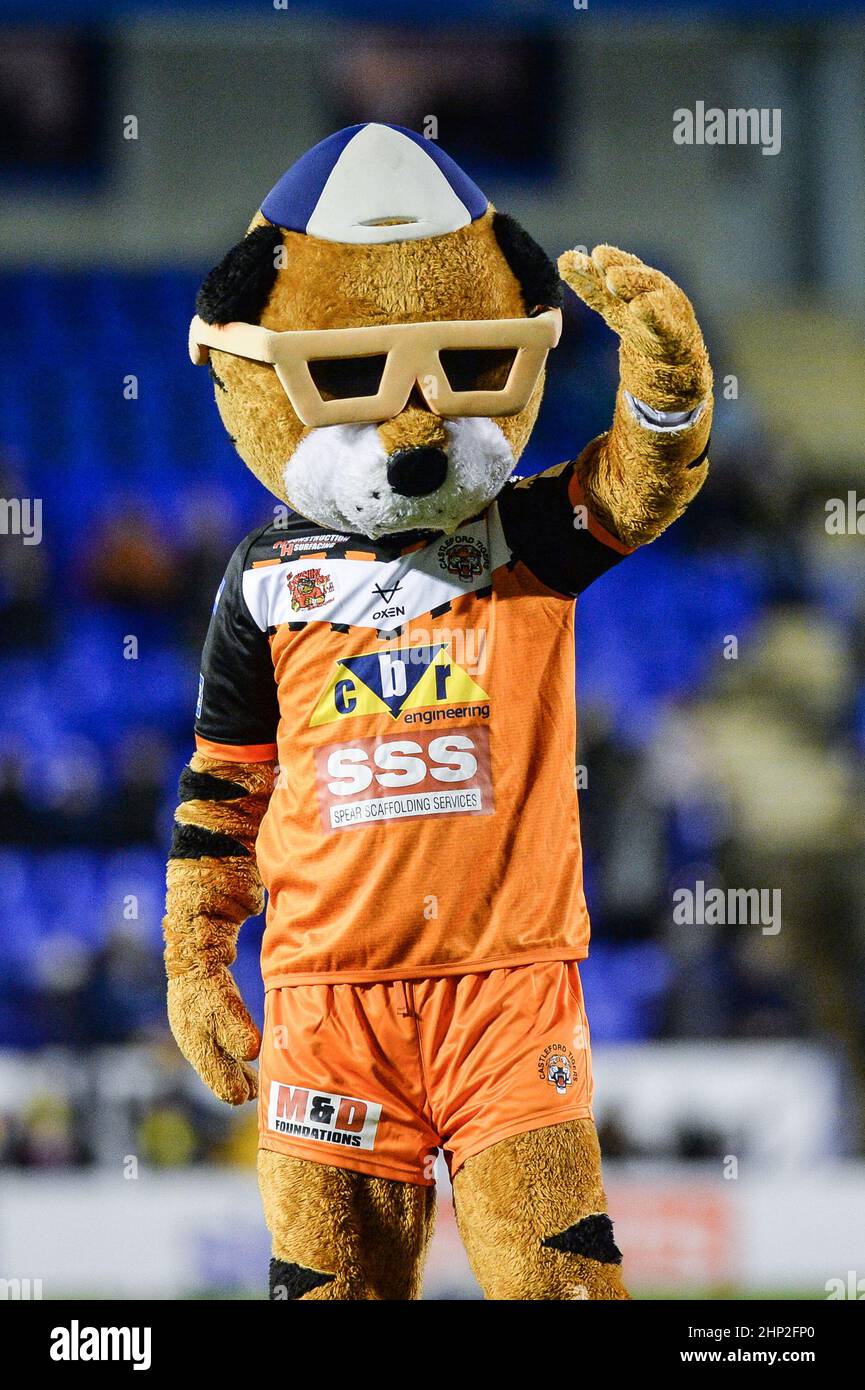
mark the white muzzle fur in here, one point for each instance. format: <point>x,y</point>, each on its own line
<point>337,477</point>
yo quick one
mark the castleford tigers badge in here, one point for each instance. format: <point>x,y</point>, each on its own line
<point>309,589</point>
<point>556,1066</point>
<point>463,556</point>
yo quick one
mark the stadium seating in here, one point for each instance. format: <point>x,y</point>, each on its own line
<point>646,635</point>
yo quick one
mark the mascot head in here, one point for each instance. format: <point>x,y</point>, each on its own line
<point>378,338</point>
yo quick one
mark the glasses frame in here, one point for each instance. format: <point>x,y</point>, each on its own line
<point>412,358</point>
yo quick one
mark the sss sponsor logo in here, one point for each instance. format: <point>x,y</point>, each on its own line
<point>391,682</point>
<point>300,1112</point>
<point>381,779</point>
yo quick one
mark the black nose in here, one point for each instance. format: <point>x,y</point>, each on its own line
<point>415,472</point>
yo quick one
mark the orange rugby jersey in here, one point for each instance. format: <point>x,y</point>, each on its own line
<point>418,692</point>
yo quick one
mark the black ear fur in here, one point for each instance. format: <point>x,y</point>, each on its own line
<point>538,277</point>
<point>239,287</point>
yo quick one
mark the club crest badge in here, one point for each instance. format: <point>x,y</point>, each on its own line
<point>556,1066</point>
<point>309,589</point>
<point>463,557</point>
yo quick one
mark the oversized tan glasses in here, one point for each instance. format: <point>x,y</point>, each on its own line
<point>339,376</point>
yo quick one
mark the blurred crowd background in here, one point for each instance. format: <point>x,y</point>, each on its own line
<point>720,673</point>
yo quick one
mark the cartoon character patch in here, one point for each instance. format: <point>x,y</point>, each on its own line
<point>309,589</point>
<point>463,556</point>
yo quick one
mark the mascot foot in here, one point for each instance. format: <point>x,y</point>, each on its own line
<point>532,1214</point>
<point>343,1235</point>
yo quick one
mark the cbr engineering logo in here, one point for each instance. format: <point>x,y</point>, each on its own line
<point>394,682</point>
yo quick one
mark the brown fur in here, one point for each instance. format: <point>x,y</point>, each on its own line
<point>207,901</point>
<point>635,480</point>
<point>325,284</point>
<point>513,1195</point>
<point>370,1233</point>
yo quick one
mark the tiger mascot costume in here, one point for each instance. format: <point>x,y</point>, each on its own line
<point>385,729</point>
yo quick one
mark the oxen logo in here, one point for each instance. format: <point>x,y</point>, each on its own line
<point>556,1066</point>
<point>463,557</point>
<point>309,589</point>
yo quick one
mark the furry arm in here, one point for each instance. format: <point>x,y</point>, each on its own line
<point>213,886</point>
<point>641,475</point>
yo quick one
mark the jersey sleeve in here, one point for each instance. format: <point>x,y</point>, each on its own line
<point>548,526</point>
<point>238,709</point>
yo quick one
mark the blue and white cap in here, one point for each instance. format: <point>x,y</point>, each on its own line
<point>352,186</point>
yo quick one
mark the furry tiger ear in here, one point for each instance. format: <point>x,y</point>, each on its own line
<point>237,290</point>
<point>538,277</point>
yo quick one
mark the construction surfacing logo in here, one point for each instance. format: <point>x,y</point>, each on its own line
<point>301,1112</point>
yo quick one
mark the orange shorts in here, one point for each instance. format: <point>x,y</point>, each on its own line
<point>378,1077</point>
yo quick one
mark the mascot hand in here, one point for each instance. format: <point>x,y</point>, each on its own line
<point>209,898</point>
<point>214,1032</point>
<point>663,357</point>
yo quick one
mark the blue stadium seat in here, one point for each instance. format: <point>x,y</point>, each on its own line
<point>64,886</point>
<point>624,988</point>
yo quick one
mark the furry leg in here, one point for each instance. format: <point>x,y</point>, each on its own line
<point>343,1235</point>
<point>532,1214</point>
